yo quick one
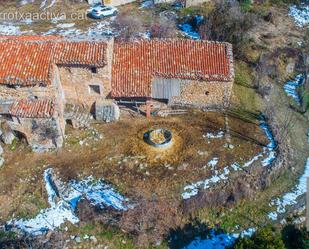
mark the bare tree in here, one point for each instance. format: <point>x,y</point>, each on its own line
<point>163,29</point>
<point>227,22</point>
<point>151,220</point>
<point>129,26</point>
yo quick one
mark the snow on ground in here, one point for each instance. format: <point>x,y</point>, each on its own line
<point>219,134</point>
<point>65,25</point>
<point>44,3</point>
<point>291,86</point>
<point>9,29</point>
<point>268,156</point>
<point>24,2</point>
<point>218,241</point>
<point>290,198</point>
<point>96,31</point>
<point>189,30</point>
<point>63,200</point>
<point>213,162</point>
<point>300,14</point>
<point>269,150</point>
<point>146,4</point>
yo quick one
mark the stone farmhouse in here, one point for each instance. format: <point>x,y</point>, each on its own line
<point>41,77</point>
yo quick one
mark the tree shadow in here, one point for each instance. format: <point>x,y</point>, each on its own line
<point>182,236</point>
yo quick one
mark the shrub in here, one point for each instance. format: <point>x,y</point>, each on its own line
<point>227,22</point>
<point>264,238</point>
<point>295,238</point>
<point>151,220</point>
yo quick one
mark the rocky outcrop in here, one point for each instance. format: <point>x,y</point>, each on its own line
<point>7,135</point>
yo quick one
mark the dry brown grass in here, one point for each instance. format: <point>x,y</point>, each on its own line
<point>124,159</point>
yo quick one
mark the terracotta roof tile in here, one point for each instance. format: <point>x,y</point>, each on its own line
<point>26,108</point>
<point>136,63</point>
<point>26,62</point>
<point>30,37</point>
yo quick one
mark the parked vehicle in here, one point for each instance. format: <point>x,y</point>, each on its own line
<point>100,11</point>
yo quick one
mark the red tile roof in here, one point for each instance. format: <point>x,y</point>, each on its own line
<point>81,53</point>
<point>27,62</point>
<point>25,108</point>
<point>30,37</point>
<point>136,63</point>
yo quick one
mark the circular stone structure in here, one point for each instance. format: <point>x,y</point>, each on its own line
<point>159,138</point>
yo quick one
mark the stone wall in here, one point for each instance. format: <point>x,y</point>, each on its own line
<point>82,86</point>
<point>117,2</point>
<point>204,94</point>
<point>15,93</point>
<point>59,96</point>
<point>190,3</point>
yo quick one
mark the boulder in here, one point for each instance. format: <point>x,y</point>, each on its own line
<point>106,111</point>
<point>8,137</point>
<point>1,150</point>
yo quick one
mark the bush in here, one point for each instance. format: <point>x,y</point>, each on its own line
<point>227,22</point>
<point>295,238</point>
<point>245,5</point>
<point>151,220</point>
<point>264,238</point>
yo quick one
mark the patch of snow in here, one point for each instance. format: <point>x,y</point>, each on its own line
<point>192,189</point>
<point>189,30</point>
<point>8,29</point>
<point>290,198</point>
<point>300,14</point>
<point>269,150</point>
<point>213,162</point>
<point>146,4</point>
<point>268,155</point>
<point>65,25</point>
<point>218,241</point>
<point>220,134</point>
<point>47,219</point>
<point>28,21</point>
<point>44,3</point>
<point>98,193</point>
<point>290,88</point>
<point>24,2</point>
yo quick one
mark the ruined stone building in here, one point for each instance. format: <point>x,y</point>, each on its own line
<point>41,76</point>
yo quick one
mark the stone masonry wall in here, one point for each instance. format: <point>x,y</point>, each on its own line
<point>11,93</point>
<point>204,94</point>
<point>117,2</point>
<point>76,83</point>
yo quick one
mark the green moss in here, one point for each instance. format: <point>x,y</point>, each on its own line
<point>305,99</point>
<point>13,146</point>
<point>263,238</point>
<point>7,235</point>
<point>203,10</point>
<point>245,5</point>
<point>246,98</point>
